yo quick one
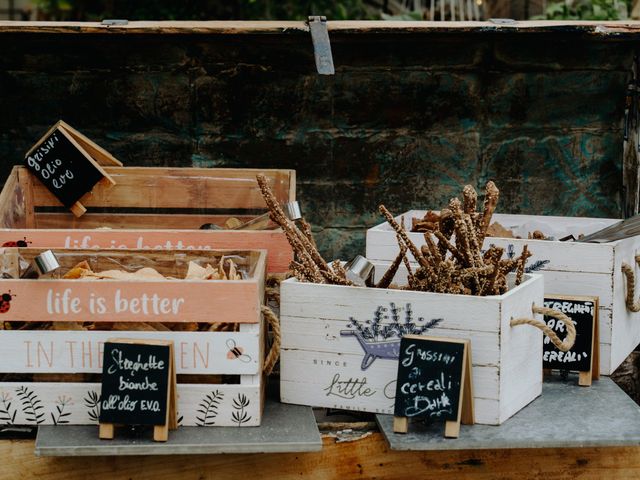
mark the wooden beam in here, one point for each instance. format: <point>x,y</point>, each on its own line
<point>365,458</point>
<point>603,29</point>
<point>148,187</point>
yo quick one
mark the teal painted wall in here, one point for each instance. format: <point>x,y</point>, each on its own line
<point>407,119</point>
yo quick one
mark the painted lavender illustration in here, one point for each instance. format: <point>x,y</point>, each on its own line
<point>380,336</point>
<point>534,267</point>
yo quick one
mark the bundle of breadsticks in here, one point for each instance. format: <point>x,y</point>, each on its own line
<point>451,261</point>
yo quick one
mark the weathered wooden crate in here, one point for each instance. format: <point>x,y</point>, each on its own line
<point>52,376</point>
<point>152,207</point>
<point>570,268</point>
<point>327,362</point>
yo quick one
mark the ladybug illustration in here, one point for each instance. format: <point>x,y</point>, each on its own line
<point>5,302</point>
<point>19,243</point>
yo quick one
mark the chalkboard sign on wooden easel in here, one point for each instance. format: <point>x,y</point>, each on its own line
<point>434,381</point>
<point>138,386</point>
<point>63,160</point>
<point>584,355</point>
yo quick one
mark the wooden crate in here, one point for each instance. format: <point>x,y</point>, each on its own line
<point>214,386</point>
<point>569,268</point>
<point>326,362</point>
<point>149,208</point>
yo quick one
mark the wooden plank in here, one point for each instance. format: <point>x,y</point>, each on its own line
<point>336,381</point>
<point>137,221</point>
<point>309,333</point>
<point>209,301</point>
<point>80,401</point>
<point>369,457</point>
<point>559,256</point>
<point>186,188</point>
<point>279,257</point>
<point>603,29</point>
<point>520,352</point>
<point>46,351</point>
<point>625,329</point>
<point>96,151</point>
<point>27,185</point>
<point>306,300</point>
<point>167,27</point>
<point>12,207</point>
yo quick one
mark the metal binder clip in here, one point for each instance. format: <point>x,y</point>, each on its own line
<point>502,21</point>
<point>292,211</point>
<point>321,45</point>
<point>115,21</point>
<point>360,271</point>
<point>44,263</point>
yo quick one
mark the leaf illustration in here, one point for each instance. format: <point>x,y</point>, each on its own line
<point>92,402</point>
<point>430,324</point>
<point>239,415</point>
<point>241,402</point>
<point>208,408</point>
<point>61,404</point>
<point>31,405</point>
<point>535,266</point>
<point>7,416</point>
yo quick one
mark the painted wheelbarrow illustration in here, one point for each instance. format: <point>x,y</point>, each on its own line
<point>386,349</point>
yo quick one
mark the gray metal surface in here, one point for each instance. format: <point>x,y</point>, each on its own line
<point>566,415</point>
<point>285,428</point>
<point>321,45</point>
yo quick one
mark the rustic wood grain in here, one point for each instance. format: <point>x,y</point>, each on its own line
<point>365,458</point>
<point>603,29</point>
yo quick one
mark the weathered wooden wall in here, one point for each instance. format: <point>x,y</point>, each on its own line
<point>407,119</point>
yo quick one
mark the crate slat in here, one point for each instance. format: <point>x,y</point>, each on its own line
<point>38,403</point>
<point>229,301</point>
<point>46,351</point>
<point>138,221</point>
<point>149,187</point>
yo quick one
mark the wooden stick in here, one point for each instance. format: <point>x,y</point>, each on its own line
<point>106,431</point>
<point>78,209</point>
<point>405,238</point>
<point>400,424</point>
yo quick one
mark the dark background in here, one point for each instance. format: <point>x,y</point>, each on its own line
<point>407,120</point>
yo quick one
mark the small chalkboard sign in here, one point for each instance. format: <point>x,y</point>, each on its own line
<point>584,355</point>
<point>63,160</point>
<point>434,382</point>
<point>138,386</point>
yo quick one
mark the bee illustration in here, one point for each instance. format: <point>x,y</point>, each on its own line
<point>20,243</point>
<point>5,302</point>
<point>236,352</point>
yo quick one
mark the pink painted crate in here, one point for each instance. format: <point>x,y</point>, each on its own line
<point>48,372</point>
<point>149,208</point>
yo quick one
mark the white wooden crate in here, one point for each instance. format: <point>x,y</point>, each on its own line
<point>325,364</point>
<point>78,352</point>
<point>569,268</point>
